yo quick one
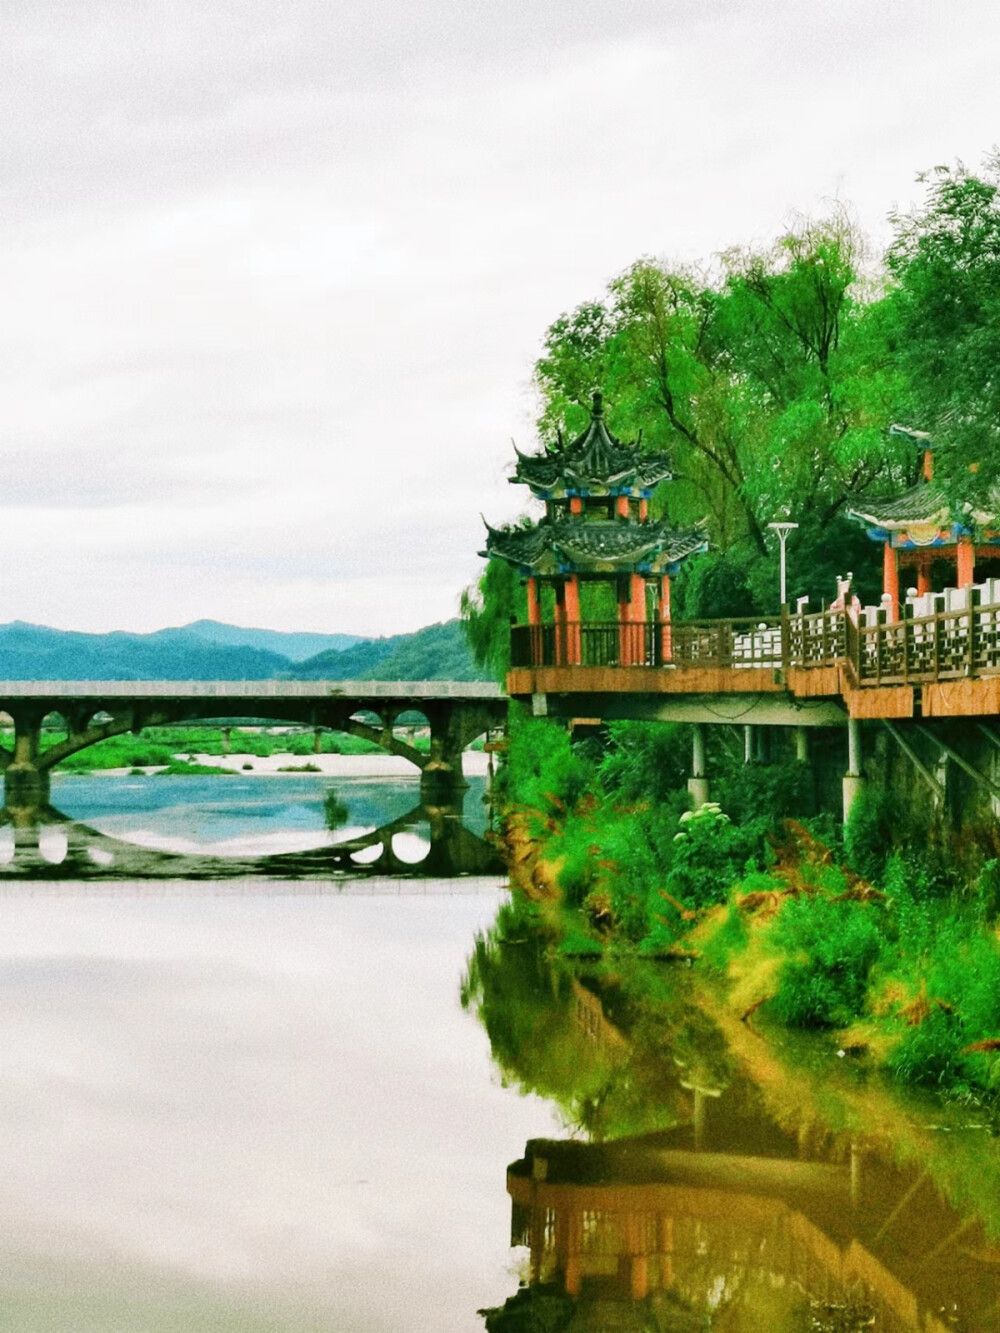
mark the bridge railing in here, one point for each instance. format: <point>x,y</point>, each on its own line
<point>948,645</point>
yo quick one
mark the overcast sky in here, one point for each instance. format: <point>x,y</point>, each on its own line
<point>275,274</point>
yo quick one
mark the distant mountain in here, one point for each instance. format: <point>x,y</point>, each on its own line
<point>199,652</point>
<point>296,645</point>
<point>34,652</point>
<point>438,652</point>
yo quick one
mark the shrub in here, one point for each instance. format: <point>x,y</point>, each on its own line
<point>830,948</point>
<point>711,854</point>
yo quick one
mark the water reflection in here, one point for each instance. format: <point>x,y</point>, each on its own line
<point>43,843</point>
<point>728,1183</point>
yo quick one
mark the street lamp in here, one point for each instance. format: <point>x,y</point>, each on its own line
<point>783,529</point>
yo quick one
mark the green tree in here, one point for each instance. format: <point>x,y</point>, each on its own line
<point>945,306</point>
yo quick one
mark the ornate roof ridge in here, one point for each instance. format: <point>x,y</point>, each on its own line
<point>595,458</point>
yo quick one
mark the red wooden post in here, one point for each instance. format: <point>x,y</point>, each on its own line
<point>666,644</point>
<point>572,612</point>
<point>890,579</point>
<point>923,574</point>
<point>966,562</point>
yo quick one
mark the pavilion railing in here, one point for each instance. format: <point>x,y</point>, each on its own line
<point>709,643</point>
<point>945,646</point>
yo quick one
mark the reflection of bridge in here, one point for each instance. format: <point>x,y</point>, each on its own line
<point>85,853</point>
<point>456,711</point>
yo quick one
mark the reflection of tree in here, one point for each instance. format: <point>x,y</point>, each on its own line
<point>335,812</point>
<point>566,1035</point>
<point>546,1309</point>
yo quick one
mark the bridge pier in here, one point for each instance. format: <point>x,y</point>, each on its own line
<point>854,781</point>
<point>25,783</point>
<point>698,785</point>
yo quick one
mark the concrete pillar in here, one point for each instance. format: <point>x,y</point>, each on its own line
<point>853,779</point>
<point>443,770</point>
<point>748,744</point>
<point>698,785</point>
<point>318,740</point>
<point>802,744</point>
<point>226,734</point>
<point>25,785</point>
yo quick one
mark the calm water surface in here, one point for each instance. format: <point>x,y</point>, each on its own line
<point>295,1105</point>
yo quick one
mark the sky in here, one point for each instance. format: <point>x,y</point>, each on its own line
<point>276,273</point>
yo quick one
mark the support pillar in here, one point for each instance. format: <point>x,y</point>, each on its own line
<point>443,771</point>
<point>318,740</point>
<point>571,607</point>
<point>25,785</point>
<point>698,782</point>
<point>637,616</point>
<point>965,559</point>
<point>853,779</point>
<point>226,734</point>
<point>624,622</point>
<point>890,580</point>
<point>802,744</point>
<point>534,610</point>
<point>666,637</point>
<point>748,743</point>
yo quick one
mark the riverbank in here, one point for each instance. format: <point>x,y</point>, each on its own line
<point>884,949</point>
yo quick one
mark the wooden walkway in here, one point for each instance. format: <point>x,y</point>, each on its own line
<point>941,665</point>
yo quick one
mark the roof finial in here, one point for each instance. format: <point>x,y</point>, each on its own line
<point>598,409</point>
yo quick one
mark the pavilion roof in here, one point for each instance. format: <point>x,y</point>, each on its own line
<point>596,461</point>
<point>605,546</point>
<point>923,503</point>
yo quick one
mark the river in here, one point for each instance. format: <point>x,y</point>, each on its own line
<point>252,1103</point>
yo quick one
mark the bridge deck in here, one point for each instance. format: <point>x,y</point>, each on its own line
<point>249,689</point>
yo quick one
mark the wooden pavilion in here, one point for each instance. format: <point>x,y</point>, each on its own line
<point>597,530</point>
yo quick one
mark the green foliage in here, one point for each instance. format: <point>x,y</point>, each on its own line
<point>711,854</point>
<point>945,308</point>
<point>487,610</point>
<point>830,948</point>
<point>543,770</point>
<point>869,835</point>
<point>769,792</point>
<point>644,761</point>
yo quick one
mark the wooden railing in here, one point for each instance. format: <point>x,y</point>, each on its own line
<point>944,646</point>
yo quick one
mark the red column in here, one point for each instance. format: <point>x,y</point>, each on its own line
<point>637,615</point>
<point>666,645</point>
<point>890,579</point>
<point>966,562</point>
<point>621,506</point>
<point>643,510</point>
<point>575,505</point>
<point>923,575</point>
<point>534,610</point>
<point>572,612</point>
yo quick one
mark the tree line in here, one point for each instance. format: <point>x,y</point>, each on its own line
<point>771,376</point>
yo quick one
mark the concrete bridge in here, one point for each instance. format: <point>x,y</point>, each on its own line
<point>456,711</point>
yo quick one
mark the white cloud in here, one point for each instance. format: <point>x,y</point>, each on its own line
<point>276,279</point>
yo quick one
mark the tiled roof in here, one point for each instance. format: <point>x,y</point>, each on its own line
<point>595,461</point>
<point>923,503</point>
<point>579,543</point>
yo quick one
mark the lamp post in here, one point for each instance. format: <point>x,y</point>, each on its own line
<point>783,529</point>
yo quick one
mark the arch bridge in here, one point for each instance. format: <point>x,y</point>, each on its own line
<point>456,711</point>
